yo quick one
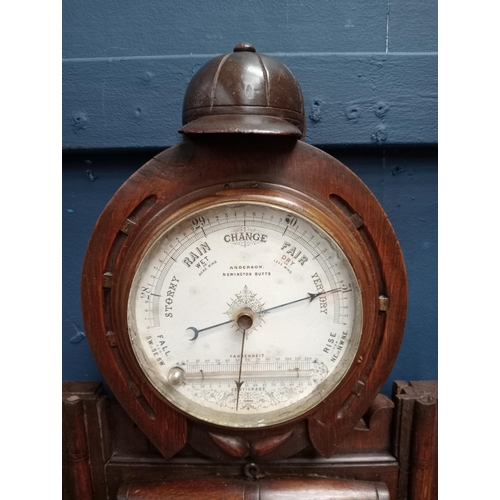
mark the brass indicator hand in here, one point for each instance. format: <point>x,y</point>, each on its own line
<point>310,297</point>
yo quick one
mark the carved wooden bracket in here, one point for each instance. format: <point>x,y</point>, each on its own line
<point>239,447</point>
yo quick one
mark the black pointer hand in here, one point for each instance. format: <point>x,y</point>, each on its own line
<point>310,297</point>
<point>196,331</point>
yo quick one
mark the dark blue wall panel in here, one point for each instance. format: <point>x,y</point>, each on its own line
<point>96,28</point>
<point>412,26</point>
<point>349,99</point>
<point>127,64</point>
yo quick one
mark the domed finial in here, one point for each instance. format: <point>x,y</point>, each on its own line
<point>243,92</point>
<point>244,47</point>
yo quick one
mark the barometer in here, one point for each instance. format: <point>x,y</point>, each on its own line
<point>245,313</point>
<point>244,292</point>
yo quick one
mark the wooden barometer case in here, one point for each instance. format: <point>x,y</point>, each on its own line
<point>243,293</point>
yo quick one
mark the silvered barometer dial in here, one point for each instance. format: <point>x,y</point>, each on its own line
<point>244,313</point>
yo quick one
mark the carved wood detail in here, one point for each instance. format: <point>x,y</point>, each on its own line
<point>384,446</point>
<point>232,445</point>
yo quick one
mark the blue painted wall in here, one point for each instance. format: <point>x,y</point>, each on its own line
<point>126,65</point>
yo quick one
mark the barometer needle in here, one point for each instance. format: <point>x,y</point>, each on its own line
<point>310,297</point>
<point>240,383</point>
<point>196,331</point>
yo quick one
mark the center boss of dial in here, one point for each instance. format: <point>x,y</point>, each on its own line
<point>245,321</point>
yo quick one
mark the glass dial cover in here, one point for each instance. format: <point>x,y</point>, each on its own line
<point>244,314</point>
